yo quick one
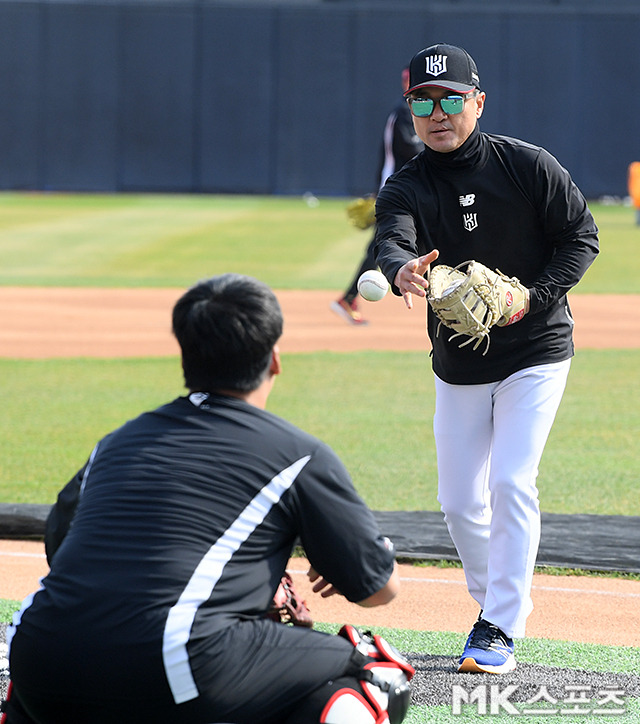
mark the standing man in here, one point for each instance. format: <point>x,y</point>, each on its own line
<point>167,547</point>
<point>399,145</point>
<point>509,205</point>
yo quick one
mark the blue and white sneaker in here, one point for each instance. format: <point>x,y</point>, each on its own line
<point>487,650</point>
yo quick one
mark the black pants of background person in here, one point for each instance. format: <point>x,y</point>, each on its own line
<point>368,262</point>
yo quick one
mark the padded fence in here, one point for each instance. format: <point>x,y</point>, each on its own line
<point>289,97</point>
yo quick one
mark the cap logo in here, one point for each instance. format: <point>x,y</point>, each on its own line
<point>436,64</point>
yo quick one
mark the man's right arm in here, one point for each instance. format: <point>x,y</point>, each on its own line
<point>381,597</point>
<point>340,535</point>
<point>386,594</point>
<point>396,235</point>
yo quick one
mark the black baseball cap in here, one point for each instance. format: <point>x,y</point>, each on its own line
<point>443,66</point>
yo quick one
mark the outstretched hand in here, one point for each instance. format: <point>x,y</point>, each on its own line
<point>410,277</point>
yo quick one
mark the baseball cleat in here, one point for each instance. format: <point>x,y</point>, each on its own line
<point>488,650</point>
<point>348,311</point>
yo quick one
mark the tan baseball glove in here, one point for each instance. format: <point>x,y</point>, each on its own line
<point>471,302</point>
<point>362,212</point>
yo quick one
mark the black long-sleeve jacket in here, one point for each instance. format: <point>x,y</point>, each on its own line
<point>511,206</point>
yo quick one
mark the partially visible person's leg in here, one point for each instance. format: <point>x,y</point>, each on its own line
<point>374,687</point>
<point>12,710</point>
<point>368,262</point>
<point>269,670</point>
<point>347,306</point>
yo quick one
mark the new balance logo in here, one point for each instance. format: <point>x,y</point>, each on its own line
<point>467,200</point>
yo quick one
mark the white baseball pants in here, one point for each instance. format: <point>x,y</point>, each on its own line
<point>489,442</point>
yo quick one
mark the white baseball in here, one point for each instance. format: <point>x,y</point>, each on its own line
<point>373,285</point>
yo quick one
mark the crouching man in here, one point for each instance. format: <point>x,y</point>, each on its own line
<point>168,545</point>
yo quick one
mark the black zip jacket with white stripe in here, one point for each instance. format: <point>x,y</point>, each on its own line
<point>180,526</point>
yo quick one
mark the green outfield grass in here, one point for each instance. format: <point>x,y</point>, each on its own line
<point>165,241</point>
<point>54,411</point>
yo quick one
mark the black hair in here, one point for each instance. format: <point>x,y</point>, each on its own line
<point>227,327</point>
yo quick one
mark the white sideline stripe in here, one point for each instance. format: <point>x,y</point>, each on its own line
<point>448,581</point>
<point>620,594</point>
<point>591,592</point>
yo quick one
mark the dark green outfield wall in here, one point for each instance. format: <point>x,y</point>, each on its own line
<point>288,97</point>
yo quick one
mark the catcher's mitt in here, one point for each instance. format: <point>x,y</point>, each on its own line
<point>473,301</point>
<point>362,212</point>
<point>287,607</point>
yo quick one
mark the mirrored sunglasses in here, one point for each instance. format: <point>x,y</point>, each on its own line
<point>423,107</point>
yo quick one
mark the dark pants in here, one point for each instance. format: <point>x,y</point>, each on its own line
<point>256,672</point>
<point>368,262</point>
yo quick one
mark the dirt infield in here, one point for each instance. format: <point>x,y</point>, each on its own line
<point>47,323</point>
<point>567,608</point>
<point>40,323</point>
